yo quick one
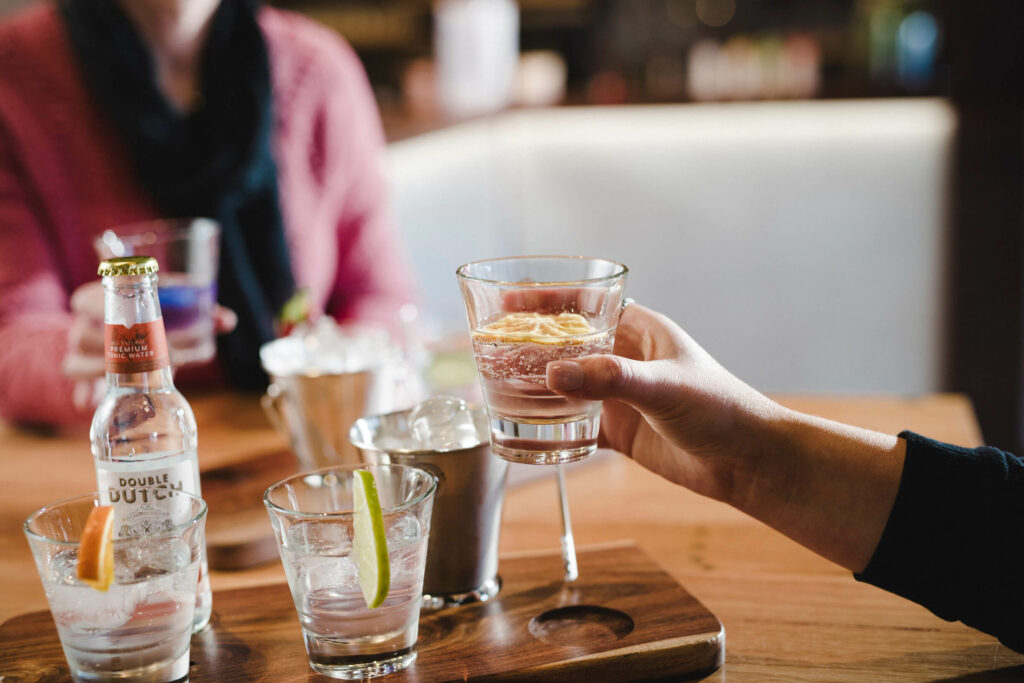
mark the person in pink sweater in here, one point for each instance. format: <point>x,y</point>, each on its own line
<point>115,112</point>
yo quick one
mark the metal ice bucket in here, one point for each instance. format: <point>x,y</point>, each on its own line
<point>462,551</point>
<point>314,406</point>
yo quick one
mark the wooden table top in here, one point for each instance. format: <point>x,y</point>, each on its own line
<point>788,614</point>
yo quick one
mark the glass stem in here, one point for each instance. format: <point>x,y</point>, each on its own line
<point>572,571</point>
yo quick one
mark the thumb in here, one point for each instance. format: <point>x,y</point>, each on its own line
<point>606,376</point>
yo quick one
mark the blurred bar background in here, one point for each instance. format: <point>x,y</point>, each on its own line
<point>828,194</point>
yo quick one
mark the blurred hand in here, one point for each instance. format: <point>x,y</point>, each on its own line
<point>672,407</point>
<point>84,360</point>
<point>224,319</point>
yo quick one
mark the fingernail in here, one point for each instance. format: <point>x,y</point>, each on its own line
<point>565,375</point>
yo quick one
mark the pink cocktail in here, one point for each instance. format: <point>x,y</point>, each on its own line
<point>548,308</point>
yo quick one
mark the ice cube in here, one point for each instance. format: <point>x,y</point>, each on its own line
<point>403,530</point>
<point>406,549</point>
<point>86,609</point>
<point>140,558</point>
<point>444,423</point>
<point>328,538</point>
<point>318,572</point>
<point>326,348</point>
<point>75,605</point>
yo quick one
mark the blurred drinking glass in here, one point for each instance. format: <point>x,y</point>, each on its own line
<point>187,250</point>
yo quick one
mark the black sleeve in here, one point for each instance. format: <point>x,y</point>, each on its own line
<point>954,541</point>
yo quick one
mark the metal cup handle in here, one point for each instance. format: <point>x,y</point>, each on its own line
<point>271,404</point>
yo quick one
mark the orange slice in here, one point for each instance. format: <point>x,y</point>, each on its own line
<point>96,549</point>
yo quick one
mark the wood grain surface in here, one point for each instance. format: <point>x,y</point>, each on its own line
<point>238,531</point>
<point>789,614</point>
<point>624,620</point>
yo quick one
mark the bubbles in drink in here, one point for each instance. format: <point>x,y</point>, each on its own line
<point>512,354</point>
<point>518,346</point>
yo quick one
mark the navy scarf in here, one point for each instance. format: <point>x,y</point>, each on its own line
<point>215,161</point>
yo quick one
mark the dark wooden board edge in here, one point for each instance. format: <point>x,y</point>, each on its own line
<point>255,635</point>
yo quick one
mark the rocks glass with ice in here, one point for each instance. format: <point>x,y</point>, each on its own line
<point>523,313</point>
<point>312,515</point>
<point>139,629</point>
<point>187,250</point>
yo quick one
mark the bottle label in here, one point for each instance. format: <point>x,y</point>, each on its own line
<point>145,499</point>
<point>141,347</point>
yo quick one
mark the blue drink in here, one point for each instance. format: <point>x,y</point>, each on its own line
<point>187,310</point>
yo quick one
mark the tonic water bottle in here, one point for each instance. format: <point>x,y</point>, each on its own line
<point>143,432</point>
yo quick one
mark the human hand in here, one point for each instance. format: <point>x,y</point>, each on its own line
<point>84,360</point>
<point>670,405</point>
<point>677,412</point>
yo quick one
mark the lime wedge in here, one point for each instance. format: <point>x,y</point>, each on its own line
<point>369,545</point>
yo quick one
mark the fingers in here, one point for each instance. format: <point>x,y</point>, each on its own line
<point>83,367</point>
<point>87,394</point>
<point>87,301</point>
<point>224,319</point>
<point>84,359</point>
<point>643,334</point>
<point>86,336</point>
<point>638,383</point>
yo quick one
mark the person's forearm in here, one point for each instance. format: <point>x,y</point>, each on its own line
<point>828,486</point>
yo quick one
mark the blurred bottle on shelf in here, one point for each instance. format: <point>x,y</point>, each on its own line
<point>540,79</point>
<point>898,44</point>
<point>917,47</point>
<point>476,52</point>
<point>748,68</point>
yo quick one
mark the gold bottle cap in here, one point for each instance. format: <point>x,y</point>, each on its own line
<point>128,265</point>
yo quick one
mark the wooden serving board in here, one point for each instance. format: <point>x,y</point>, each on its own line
<point>238,531</point>
<point>623,620</point>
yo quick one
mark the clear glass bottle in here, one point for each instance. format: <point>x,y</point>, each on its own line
<point>143,432</point>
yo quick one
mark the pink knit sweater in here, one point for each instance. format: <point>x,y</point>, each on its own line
<point>65,177</point>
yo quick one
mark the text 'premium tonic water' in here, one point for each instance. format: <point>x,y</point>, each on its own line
<point>143,432</point>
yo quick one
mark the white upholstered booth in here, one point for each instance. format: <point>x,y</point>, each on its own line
<point>803,244</point>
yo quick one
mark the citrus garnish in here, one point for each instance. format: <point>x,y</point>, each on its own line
<point>369,544</point>
<point>541,328</point>
<point>96,549</point>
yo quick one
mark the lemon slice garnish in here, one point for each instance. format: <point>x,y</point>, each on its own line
<point>541,328</point>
